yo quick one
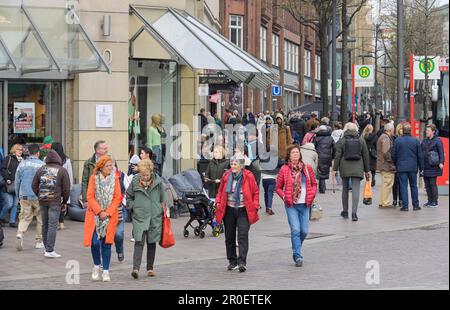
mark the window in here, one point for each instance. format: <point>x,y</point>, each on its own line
<point>291,56</point>
<point>307,58</point>
<point>237,30</point>
<point>317,67</point>
<point>275,48</point>
<point>263,43</point>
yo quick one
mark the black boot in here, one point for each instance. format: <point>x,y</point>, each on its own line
<point>354,217</point>
<point>344,214</point>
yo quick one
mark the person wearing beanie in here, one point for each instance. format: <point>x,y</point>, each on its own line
<point>48,141</point>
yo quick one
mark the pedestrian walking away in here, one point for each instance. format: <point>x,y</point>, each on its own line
<point>103,197</point>
<point>408,157</point>
<point>297,187</point>
<point>433,153</point>
<point>352,162</point>
<point>326,150</point>
<point>29,204</point>
<point>146,197</point>
<point>237,205</point>
<point>51,185</point>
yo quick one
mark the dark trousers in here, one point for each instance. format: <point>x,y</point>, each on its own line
<point>411,178</point>
<point>50,217</point>
<point>322,186</point>
<point>431,188</point>
<point>236,218</point>
<point>139,249</point>
<point>396,189</point>
<point>269,189</point>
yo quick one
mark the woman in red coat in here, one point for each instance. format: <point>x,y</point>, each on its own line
<point>297,186</point>
<point>237,205</point>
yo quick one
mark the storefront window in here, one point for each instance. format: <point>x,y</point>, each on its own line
<point>152,109</point>
<point>34,110</point>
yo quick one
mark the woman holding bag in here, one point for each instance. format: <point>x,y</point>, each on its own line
<point>103,197</point>
<point>146,197</point>
<point>8,172</point>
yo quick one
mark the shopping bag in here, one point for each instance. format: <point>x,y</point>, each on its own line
<point>167,237</point>
<point>316,211</point>
<point>367,198</point>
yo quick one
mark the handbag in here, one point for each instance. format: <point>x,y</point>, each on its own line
<point>367,199</point>
<point>316,211</point>
<point>167,237</point>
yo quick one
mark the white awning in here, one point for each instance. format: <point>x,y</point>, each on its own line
<point>192,43</point>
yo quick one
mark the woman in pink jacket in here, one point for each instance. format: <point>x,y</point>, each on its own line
<point>297,186</point>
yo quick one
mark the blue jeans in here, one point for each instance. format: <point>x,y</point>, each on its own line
<point>298,218</point>
<point>269,188</point>
<point>404,177</point>
<point>120,233</point>
<point>10,202</point>
<point>105,252</point>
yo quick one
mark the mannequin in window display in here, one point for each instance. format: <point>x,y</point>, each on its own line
<point>163,134</point>
<point>154,142</point>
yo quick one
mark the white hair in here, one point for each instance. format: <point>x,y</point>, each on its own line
<point>349,126</point>
<point>389,127</point>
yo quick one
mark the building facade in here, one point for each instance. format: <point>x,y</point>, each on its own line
<point>112,70</point>
<point>267,31</point>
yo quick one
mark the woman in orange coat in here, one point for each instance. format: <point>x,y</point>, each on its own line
<point>103,197</point>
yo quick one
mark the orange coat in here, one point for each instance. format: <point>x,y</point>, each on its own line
<point>95,209</point>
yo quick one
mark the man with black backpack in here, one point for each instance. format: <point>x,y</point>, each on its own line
<point>352,161</point>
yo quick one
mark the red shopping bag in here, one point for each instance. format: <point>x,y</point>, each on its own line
<point>167,237</point>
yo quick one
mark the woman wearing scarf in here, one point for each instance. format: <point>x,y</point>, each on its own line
<point>145,197</point>
<point>297,187</point>
<point>103,197</point>
<point>237,205</point>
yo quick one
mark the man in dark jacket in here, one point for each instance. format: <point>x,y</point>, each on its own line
<point>51,184</point>
<point>249,118</point>
<point>299,126</point>
<point>408,157</point>
<point>326,150</point>
<point>433,152</point>
<point>101,149</point>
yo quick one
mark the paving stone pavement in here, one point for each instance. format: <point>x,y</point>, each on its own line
<point>411,248</point>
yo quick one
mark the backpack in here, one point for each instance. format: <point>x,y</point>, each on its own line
<point>352,148</point>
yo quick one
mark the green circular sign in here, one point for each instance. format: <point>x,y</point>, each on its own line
<point>364,72</point>
<point>430,64</point>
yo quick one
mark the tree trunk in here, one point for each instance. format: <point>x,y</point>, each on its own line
<point>323,66</point>
<point>344,75</point>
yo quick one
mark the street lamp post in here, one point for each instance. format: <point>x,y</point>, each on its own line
<point>385,67</point>
<point>400,69</point>
<point>333,65</point>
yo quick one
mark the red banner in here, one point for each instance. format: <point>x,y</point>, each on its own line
<point>443,180</point>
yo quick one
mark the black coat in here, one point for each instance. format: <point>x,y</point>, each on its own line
<point>215,170</point>
<point>428,145</point>
<point>9,171</point>
<point>371,142</point>
<point>299,126</point>
<point>326,151</point>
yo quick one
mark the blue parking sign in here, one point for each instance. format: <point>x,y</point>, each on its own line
<point>277,91</point>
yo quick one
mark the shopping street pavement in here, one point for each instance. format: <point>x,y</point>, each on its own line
<point>410,250</point>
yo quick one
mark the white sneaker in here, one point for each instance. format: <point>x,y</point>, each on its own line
<point>105,276</point>
<point>132,239</point>
<point>52,255</point>
<point>96,273</point>
<point>19,242</point>
<point>40,245</point>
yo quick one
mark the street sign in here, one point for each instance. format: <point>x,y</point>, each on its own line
<point>443,64</point>
<point>277,91</point>
<point>338,87</point>
<point>364,76</point>
<point>420,66</point>
<point>203,90</point>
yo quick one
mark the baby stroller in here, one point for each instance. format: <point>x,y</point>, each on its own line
<point>192,195</point>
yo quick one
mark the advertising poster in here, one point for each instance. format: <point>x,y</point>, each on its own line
<point>24,117</point>
<point>104,116</point>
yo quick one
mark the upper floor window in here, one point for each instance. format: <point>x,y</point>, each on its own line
<point>237,30</point>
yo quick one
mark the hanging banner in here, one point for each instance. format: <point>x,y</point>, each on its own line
<point>364,76</point>
<point>338,87</point>
<point>420,66</point>
<point>24,117</point>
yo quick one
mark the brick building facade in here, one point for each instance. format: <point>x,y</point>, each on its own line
<point>270,33</point>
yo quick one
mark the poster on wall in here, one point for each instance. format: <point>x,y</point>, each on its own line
<point>24,117</point>
<point>104,115</point>
<point>237,100</point>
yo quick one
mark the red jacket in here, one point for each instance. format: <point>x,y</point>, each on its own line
<point>251,196</point>
<point>285,185</point>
